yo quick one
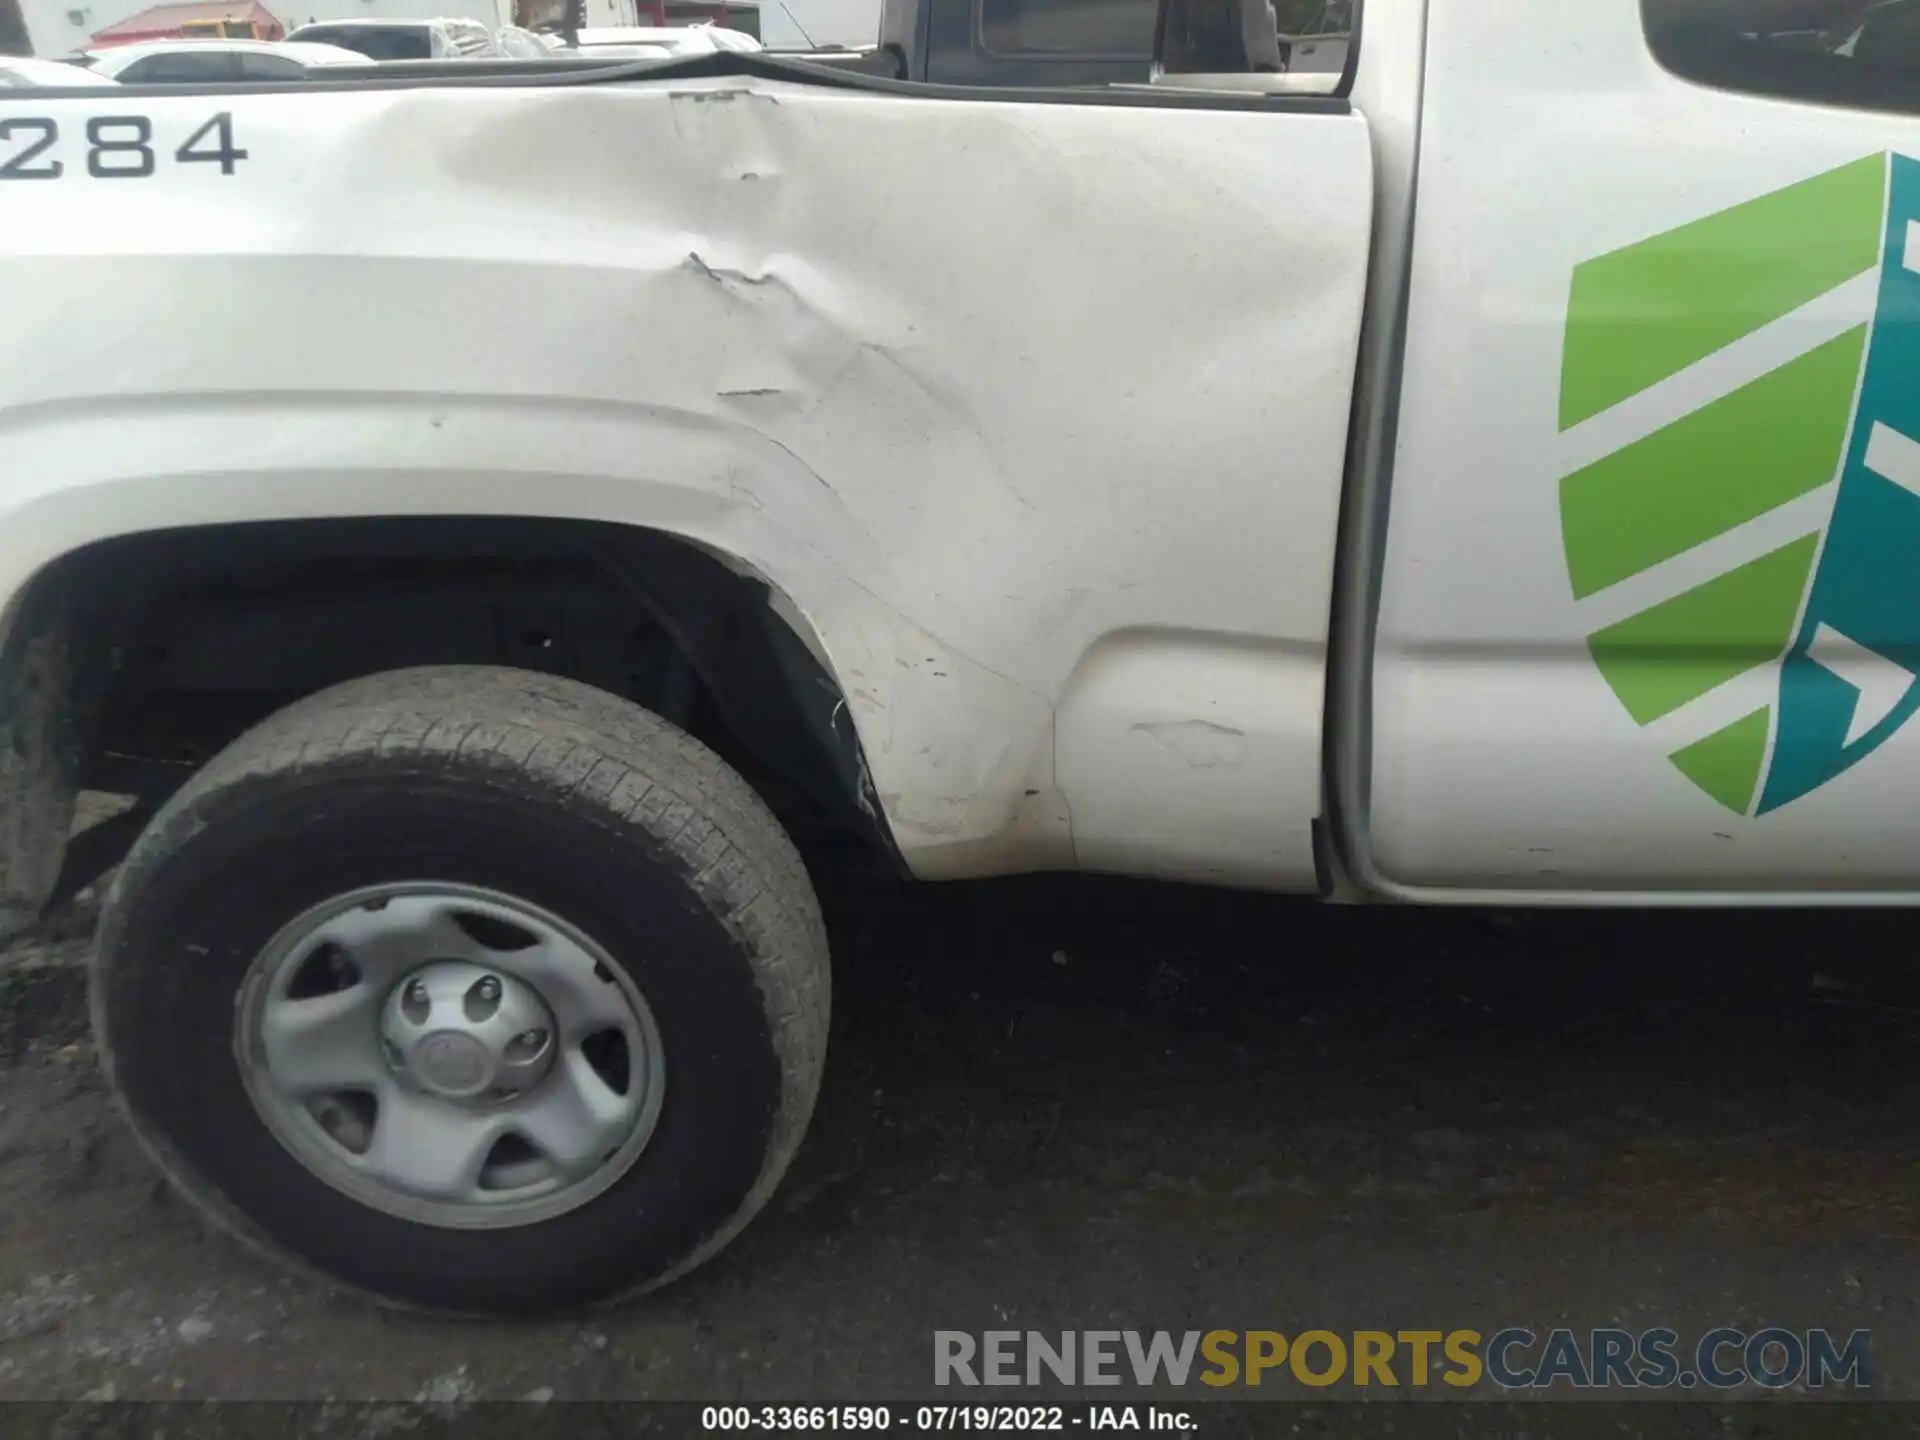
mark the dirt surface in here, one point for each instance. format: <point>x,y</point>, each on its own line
<point>1080,1104</point>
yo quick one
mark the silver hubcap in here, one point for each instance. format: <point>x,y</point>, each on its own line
<point>451,1055</point>
<point>462,1030</point>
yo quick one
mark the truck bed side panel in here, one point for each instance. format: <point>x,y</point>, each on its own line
<point>983,389</point>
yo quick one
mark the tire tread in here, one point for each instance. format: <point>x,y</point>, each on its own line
<point>589,751</point>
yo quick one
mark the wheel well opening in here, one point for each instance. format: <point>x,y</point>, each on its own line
<point>195,635</point>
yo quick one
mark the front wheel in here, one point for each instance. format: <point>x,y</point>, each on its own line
<point>471,989</point>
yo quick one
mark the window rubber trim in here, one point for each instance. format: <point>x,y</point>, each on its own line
<point>721,65</point>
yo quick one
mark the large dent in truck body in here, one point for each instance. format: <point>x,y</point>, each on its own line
<point>970,385</point>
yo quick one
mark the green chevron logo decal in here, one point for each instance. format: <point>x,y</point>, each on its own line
<point>1752,567</point>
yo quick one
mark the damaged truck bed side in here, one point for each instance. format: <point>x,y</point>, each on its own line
<point>497,525</point>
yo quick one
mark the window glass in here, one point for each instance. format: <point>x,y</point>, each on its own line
<point>269,67</point>
<point>1843,52</point>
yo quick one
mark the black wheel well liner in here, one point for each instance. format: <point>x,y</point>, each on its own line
<point>107,641</point>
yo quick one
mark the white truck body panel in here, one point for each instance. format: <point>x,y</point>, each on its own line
<point>1044,447</point>
<point>1042,443</point>
<point>1502,763</point>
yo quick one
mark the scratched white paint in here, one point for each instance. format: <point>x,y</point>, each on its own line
<point>975,386</point>
<point>1177,757</point>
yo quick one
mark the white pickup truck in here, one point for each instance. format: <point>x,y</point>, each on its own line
<point>497,525</point>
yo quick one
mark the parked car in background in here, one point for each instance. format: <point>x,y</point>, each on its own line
<point>447,38</point>
<point>216,62</point>
<point>20,72</point>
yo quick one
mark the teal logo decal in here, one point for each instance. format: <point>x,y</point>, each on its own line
<point>1827,615</point>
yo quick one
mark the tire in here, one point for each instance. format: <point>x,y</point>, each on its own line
<point>578,805</point>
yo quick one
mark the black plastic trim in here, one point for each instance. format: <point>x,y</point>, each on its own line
<point>922,61</point>
<point>1373,432</point>
<point>760,66</point>
<point>1356,45</point>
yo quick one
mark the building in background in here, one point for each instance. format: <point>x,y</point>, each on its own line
<point>193,20</point>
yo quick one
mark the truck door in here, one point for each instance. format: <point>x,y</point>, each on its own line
<point>1649,615</point>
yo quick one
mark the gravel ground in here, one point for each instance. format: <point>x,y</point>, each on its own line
<point>1059,1104</point>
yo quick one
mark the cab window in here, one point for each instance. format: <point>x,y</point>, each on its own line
<point>1862,53</point>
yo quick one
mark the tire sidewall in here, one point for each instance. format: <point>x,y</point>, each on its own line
<point>188,917</point>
